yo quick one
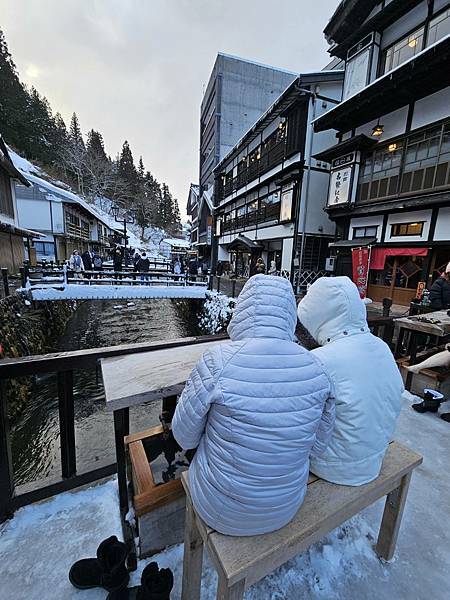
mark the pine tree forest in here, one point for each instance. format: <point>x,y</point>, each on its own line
<point>29,125</point>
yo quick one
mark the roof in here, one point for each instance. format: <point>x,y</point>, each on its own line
<point>254,62</point>
<point>347,17</point>
<point>194,190</point>
<point>177,242</point>
<point>9,228</point>
<point>242,240</point>
<point>293,91</point>
<point>378,22</point>
<point>357,142</point>
<point>7,164</point>
<point>354,243</point>
<point>393,90</point>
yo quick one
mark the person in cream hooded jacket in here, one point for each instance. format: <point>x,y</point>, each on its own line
<point>257,407</point>
<point>367,382</point>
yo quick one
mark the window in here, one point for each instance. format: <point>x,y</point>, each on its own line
<point>368,231</point>
<point>72,219</point>
<point>439,27</point>
<point>286,205</point>
<point>403,50</point>
<point>380,172</point>
<point>401,229</point>
<point>6,202</point>
<point>45,248</point>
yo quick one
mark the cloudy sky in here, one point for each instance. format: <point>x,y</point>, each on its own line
<point>136,69</point>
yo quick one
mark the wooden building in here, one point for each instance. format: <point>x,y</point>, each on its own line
<point>12,237</point>
<point>393,141</point>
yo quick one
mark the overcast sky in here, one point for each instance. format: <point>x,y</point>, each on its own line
<point>136,69</point>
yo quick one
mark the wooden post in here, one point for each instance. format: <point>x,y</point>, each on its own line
<point>193,556</point>
<point>23,280</point>
<point>392,518</point>
<point>233,288</point>
<point>6,468</point>
<point>218,283</point>
<point>67,424</point>
<point>412,352</point>
<point>235,592</point>
<point>5,280</point>
<point>121,429</point>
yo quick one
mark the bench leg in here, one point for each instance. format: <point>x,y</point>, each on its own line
<point>193,557</point>
<point>235,592</point>
<point>392,518</point>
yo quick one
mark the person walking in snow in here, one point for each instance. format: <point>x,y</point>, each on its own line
<point>440,291</point>
<point>117,261</point>
<point>260,266</point>
<point>256,407</point>
<point>177,268</point>
<point>367,383</point>
<point>87,258</point>
<point>76,265</point>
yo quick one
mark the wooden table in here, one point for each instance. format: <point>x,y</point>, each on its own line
<point>416,328</point>
<point>133,379</point>
<point>242,561</point>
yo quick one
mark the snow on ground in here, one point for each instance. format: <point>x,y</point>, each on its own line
<point>38,546</point>
<point>112,292</point>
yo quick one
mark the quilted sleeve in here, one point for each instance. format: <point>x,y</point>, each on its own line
<point>191,414</point>
<point>326,426</point>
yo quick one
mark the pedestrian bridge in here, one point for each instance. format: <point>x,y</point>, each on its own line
<point>111,285</point>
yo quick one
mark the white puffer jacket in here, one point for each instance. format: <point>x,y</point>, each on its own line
<point>255,407</point>
<point>367,382</point>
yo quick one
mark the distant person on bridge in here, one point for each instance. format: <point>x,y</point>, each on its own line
<point>98,263</point>
<point>87,258</point>
<point>117,261</point>
<point>177,268</point>
<point>76,265</point>
<point>256,407</point>
<point>144,266</point>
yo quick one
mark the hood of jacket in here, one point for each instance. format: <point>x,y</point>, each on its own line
<point>333,309</point>
<point>266,308</point>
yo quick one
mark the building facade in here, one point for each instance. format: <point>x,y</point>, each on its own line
<point>237,94</point>
<point>270,193</point>
<point>13,238</point>
<point>64,221</point>
<point>390,170</point>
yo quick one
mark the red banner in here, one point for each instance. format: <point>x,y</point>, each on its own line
<point>360,260</point>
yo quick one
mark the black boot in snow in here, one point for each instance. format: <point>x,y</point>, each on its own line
<point>108,570</point>
<point>156,584</point>
<point>446,417</point>
<point>431,402</point>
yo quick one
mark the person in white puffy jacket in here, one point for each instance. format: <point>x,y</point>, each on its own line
<point>367,382</point>
<point>256,407</point>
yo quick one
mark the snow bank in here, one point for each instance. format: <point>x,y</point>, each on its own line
<point>216,312</point>
<point>112,292</point>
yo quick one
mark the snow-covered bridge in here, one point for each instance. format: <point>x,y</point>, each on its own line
<point>114,286</point>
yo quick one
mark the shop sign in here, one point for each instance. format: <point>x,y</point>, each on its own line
<point>209,235</point>
<point>286,205</point>
<point>342,161</point>
<point>360,261</point>
<point>340,186</point>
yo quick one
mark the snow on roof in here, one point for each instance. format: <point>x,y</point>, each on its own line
<point>177,242</point>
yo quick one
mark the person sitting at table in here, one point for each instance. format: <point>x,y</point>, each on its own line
<point>440,291</point>
<point>367,383</point>
<point>256,407</point>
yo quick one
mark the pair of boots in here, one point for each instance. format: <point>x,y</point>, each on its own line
<point>431,403</point>
<point>109,571</point>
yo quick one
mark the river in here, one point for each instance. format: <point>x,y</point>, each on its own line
<point>35,437</point>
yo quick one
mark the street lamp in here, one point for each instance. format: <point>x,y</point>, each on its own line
<point>126,216</point>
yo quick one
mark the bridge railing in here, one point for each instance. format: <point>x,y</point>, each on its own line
<point>104,277</point>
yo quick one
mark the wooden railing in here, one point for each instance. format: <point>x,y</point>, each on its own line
<point>64,364</point>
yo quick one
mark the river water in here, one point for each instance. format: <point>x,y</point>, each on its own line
<point>35,438</point>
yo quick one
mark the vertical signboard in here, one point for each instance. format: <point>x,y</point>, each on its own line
<point>341,180</point>
<point>360,262</point>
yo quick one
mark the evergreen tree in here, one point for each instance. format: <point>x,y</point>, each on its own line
<point>95,145</point>
<point>127,171</point>
<point>75,135</point>
<point>13,101</point>
<point>41,141</point>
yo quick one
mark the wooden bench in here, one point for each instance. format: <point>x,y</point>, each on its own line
<point>242,561</point>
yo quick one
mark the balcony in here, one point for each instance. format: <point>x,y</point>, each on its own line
<point>264,214</point>
<point>76,231</point>
<point>267,161</point>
